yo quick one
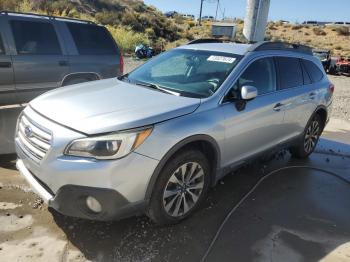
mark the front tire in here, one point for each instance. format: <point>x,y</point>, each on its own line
<point>309,140</point>
<point>181,187</point>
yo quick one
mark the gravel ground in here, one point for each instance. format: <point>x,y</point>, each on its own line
<point>341,103</point>
<point>131,63</point>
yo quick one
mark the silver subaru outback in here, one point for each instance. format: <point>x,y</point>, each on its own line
<point>155,140</point>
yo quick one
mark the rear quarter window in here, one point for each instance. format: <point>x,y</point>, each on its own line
<point>315,73</point>
<point>307,79</point>
<point>290,73</point>
<point>92,39</point>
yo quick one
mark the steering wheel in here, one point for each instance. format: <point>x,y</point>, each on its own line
<point>214,82</point>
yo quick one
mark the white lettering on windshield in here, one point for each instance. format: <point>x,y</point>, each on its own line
<point>222,59</point>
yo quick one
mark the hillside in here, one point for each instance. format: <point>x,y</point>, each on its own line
<point>335,38</point>
<point>132,22</point>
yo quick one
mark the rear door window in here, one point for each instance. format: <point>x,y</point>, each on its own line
<point>290,73</point>
<point>313,70</point>
<point>2,49</point>
<point>92,39</point>
<point>35,38</point>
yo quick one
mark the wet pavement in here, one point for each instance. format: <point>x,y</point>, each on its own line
<point>293,215</point>
<point>296,214</point>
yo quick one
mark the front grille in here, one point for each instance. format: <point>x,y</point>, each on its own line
<point>34,140</point>
<point>344,68</point>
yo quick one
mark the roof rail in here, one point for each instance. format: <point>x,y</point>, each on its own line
<point>260,46</point>
<point>205,40</point>
<point>46,16</point>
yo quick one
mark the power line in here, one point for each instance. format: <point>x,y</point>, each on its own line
<point>217,6</point>
<point>200,13</point>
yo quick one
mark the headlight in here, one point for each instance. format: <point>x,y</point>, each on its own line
<point>110,146</point>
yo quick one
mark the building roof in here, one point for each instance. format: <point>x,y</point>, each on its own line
<point>223,24</point>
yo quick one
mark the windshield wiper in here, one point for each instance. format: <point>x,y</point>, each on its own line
<point>155,86</point>
<point>124,77</point>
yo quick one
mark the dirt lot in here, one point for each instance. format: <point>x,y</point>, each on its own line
<point>31,232</point>
<point>341,102</point>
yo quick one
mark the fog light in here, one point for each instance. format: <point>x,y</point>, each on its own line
<point>93,204</point>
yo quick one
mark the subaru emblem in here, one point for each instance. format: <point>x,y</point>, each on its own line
<point>28,131</point>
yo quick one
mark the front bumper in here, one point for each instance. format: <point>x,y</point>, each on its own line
<point>63,181</point>
<point>70,200</point>
<point>33,182</point>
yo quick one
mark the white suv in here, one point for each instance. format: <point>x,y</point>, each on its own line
<point>155,140</point>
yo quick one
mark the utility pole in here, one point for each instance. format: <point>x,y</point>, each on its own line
<point>200,13</point>
<point>256,19</point>
<point>217,6</point>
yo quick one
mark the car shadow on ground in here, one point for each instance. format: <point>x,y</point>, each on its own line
<point>8,161</point>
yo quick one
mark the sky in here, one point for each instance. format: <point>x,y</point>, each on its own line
<point>291,10</point>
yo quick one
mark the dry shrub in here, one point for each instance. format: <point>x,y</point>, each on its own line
<point>338,47</point>
<point>127,39</point>
<point>318,31</point>
<point>343,30</point>
<point>296,27</point>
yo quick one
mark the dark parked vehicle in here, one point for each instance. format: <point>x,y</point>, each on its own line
<point>207,18</point>
<point>310,23</point>
<point>343,66</point>
<point>144,51</point>
<point>171,14</point>
<point>325,57</point>
<point>39,53</point>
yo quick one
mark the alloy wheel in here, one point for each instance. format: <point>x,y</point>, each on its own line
<point>311,136</point>
<point>183,189</point>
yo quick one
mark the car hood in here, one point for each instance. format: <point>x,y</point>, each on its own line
<point>110,105</point>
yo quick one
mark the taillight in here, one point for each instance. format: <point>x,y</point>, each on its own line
<point>331,88</point>
<point>121,64</point>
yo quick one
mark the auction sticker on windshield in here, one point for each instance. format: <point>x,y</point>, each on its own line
<point>222,59</point>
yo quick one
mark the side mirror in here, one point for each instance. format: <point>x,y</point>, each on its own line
<point>248,92</point>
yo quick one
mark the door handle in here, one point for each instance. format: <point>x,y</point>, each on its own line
<point>312,95</point>
<point>63,63</point>
<point>278,107</point>
<point>5,64</point>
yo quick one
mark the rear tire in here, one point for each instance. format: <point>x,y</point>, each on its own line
<point>7,158</point>
<point>180,189</point>
<point>310,137</point>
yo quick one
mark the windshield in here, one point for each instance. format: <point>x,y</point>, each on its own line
<point>190,73</point>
